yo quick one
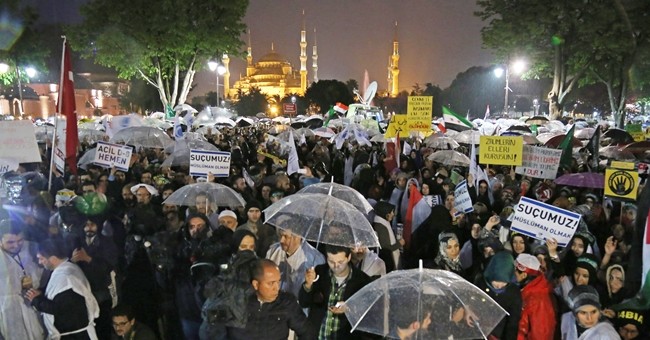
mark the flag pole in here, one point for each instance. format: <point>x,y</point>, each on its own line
<point>56,117</point>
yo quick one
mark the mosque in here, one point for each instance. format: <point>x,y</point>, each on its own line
<point>274,75</point>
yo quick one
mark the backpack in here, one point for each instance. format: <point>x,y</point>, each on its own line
<point>227,293</point>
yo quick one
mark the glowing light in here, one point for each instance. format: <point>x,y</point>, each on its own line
<point>30,72</point>
<point>4,68</point>
<point>518,66</point>
<point>498,72</point>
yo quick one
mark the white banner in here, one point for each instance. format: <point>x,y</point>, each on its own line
<point>539,162</point>
<point>108,155</point>
<point>8,164</point>
<point>59,159</point>
<point>462,200</point>
<point>18,141</point>
<point>215,162</point>
<point>543,221</point>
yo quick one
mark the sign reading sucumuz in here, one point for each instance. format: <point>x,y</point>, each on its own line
<point>204,162</point>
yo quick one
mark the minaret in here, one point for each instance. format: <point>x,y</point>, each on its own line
<point>226,76</point>
<point>303,56</point>
<point>394,67</point>
<point>314,58</point>
<point>249,58</point>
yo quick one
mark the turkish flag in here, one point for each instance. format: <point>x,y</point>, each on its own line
<point>67,107</point>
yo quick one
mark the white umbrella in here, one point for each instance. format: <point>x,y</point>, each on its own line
<point>142,136</point>
<point>468,137</point>
<point>449,157</point>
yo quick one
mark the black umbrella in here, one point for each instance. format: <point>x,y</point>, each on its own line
<point>519,128</point>
<point>618,136</point>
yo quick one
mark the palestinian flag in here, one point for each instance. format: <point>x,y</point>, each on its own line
<point>454,121</point>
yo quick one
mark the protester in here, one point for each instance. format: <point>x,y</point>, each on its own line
<point>585,320</point>
<point>126,327</point>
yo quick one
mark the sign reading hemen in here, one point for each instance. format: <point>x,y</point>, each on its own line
<point>499,150</point>
<point>543,221</point>
<point>108,155</point>
<point>539,162</point>
<point>204,162</point>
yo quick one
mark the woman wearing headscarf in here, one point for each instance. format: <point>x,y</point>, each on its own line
<point>585,320</point>
<point>449,254</point>
<point>389,252</point>
<point>497,283</point>
<point>519,244</point>
<point>424,240</point>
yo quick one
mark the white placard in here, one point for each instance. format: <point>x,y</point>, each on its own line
<point>108,155</point>
<point>543,221</point>
<point>462,200</point>
<point>59,159</point>
<point>215,162</point>
<point>8,164</point>
<point>539,162</point>
<point>18,141</point>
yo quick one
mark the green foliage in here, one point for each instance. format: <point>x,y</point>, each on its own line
<point>162,41</point>
<point>212,98</point>
<point>352,84</point>
<point>325,93</point>
<point>249,104</point>
<point>141,97</point>
<point>21,44</point>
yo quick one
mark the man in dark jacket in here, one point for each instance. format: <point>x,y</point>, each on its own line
<point>127,327</point>
<point>96,255</point>
<point>337,281</point>
<point>271,312</point>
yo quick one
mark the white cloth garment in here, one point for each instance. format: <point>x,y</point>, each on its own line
<point>391,235</point>
<point>293,268</point>
<point>64,277</point>
<point>18,320</point>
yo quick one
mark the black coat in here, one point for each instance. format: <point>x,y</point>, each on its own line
<point>273,320</point>
<point>317,299</point>
<point>510,301</point>
<point>69,310</point>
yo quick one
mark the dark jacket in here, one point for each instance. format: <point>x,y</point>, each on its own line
<point>69,310</point>
<point>510,301</point>
<point>139,331</point>
<point>98,271</point>
<point>273,320</point>
<point>317,298</point>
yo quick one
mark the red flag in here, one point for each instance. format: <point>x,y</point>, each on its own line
<point>66,107</point>
<point>442,127</point>
<point>414,197</point>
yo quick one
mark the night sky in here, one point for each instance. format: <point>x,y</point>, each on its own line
<point>438,38</point>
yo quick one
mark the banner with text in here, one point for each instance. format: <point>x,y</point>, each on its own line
<point>500,150</point>
<point>8,164</point>
<point>398,123</point>
<point>539,162</point>
<point>462,200</point>
<point>543,221</point>
<point>18,141</point>
<point>113,155</point>
<point>418,113</point>
<point>215,162</point>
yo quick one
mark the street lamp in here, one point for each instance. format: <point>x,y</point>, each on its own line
<point>517,67</point>
<point>30,72</point>
<point>219,69</point>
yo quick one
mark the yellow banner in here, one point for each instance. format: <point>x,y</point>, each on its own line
<point>501,150</point>
<point>622,165</point>
<point>397,124</point>
<point>622,184</point>
<point>419,110</point>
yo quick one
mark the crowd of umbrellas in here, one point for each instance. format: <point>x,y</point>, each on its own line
<point>330,213</point>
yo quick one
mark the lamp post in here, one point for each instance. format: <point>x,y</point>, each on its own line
<point>30,72</point>
<point>219,70</point>
<point>518,67</point>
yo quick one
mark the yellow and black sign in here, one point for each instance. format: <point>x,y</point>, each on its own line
<point>621,184</point>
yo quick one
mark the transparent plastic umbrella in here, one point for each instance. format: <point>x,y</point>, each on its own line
<point>218,194</point>
<point>322,218</point>
<point>468,137</point>
<point>179,152</point>
<point>142,136</point>
<point>441,142</point>
<point>449,157</point>
<point>343,192</point>
<point>423,295</point>
<point>87,158</point>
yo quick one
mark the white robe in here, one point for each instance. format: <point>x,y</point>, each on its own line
<point>18,320</point>
<point>293,268</point>
<point>69,276</point>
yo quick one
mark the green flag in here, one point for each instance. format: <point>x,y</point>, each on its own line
<point>331,113</point>
<point>567,149</point>
<point>169,112</point>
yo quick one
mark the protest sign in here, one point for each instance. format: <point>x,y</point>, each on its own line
<point>543,221</point>
<point>621,184</point>
<point>539,162</point>
<point>418,113</point>
<point>636,131</point>
<point>108,155</point>
<point>18,141</point>
<point>8,164</point>
<point>59,158</point>
<point>622,165</point>
<point>462,200</point>
<point>204,162</point>
<point>500,150</point>
<point>398,123</point>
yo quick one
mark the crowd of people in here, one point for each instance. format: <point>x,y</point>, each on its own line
<point>98,255</point>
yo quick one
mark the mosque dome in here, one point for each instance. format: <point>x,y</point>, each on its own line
<point>273,57</point>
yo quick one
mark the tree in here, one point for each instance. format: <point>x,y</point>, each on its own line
<point>141,97</point>
<point>325,93</point>
<point>212,98</point>
<point>556,36</point>
<point>472,91</point>
<point>163,42</point>
<point>352,85</point>
<point>249,104</point>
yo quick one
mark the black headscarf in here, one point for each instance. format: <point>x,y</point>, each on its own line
<point>383,208</point>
